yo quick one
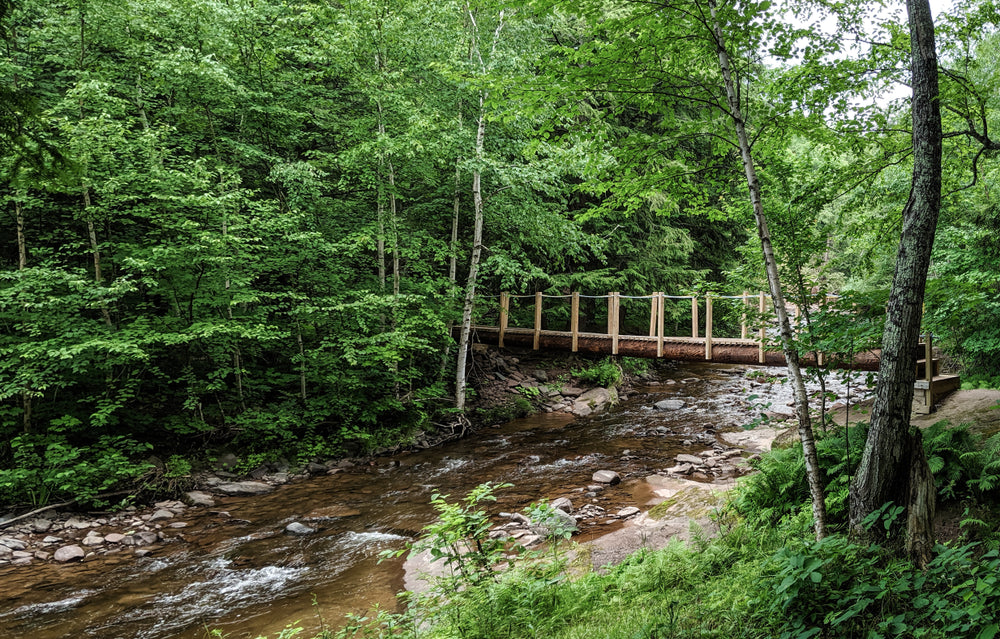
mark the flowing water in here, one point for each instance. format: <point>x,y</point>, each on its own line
<point>239,572</point>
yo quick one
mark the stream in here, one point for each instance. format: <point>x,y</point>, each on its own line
<point>240,573</point>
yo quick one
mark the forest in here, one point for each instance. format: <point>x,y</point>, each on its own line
<point>260,226</point>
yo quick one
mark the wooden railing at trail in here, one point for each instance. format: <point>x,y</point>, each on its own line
<point>741,350</point>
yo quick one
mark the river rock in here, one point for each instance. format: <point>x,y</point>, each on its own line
<point>51,539</point>
<point>21,561</point>
<point>670,404</point>
<point>627,512</point>
<point>244,488</point>
<point>540,375</point>
<point>41,555</point>
<point>198,498</point>
<point>5,551</point>
<point>581,410</point>
<point>147,537</point>
<point>78,524</point>
<point>69,553</point>
<point>688,459</point>
<point>295,528</point>
<point>606,477</point>
<point>563,503</point>
<point>12,544</point>
<point>93,540</point>
<point>161,514</point>
<point>40,525</point>
<point>530,540</point>
<point>597,398</point>
<point>115,538</point>
<point>314,468</point>
<point>571,391</point>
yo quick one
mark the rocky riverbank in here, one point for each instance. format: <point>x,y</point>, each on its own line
<point>61,536</point>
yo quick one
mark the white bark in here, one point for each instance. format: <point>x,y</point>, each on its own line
<point>774,284</point>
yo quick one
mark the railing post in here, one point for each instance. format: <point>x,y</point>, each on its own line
<point>743,319</point>
<point>504,314</point>
<point>615,303</point>
<point>574,318</point>
<point>763,330</point>
<point>694,316</point>
<point>538,319</point>
<point>928,364</point>
<point>708,327</point>
<point>652,315</point>
<point>660,308</point>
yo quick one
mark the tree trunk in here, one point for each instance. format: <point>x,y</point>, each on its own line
<point>774,283</point>
<point>893,467</point>
<point>477,208</point>
<point>22,249</point>
<point>96,252</point>
<point>477,249</point>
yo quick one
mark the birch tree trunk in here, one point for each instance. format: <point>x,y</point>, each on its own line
<point>774,284</point>
<point>477,208</point>
<point>893,467</point>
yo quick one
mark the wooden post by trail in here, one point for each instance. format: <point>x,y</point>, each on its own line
<point>615,302</point>
<point>660,307</point>
<point>574,318</point>
<point>743,319</point>
<point>504,314</point>
<point>652,315</point>
<point>694,316</point>
<point>763,329</point>
<point>538,319</point>
<point>708,327</point>
<point>928,363</point>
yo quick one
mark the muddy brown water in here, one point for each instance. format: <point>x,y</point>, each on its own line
<point>244,576</point>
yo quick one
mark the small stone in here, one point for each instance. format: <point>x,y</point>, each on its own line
<point>13,544</point>
<point>627,512</point>
<point>198,498</point>
<point>41,525</point>
<point>163,513</point>
<point>49,539</point>
<point>115,538</point>
<point>92,540</point>
<point>179,524</point>
<point>22,554</point>
<point>23,561</point>
<point>688,459</point>
<point>69,553</point>
<point>73,522</point>
<point>670,404</point>
<point>295,528</point>
<point>41,555</point>
<point>142,552</point>
<point>530,540</point>
<point>606,477</point>
<point>563,504</point>
<point>147,537</point>
<point>595,488</point>
<point>315,469</point>
<point>244,488</point>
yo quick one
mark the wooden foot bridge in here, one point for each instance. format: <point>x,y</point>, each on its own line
<point>699,346</point>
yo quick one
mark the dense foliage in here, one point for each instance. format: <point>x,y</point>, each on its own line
<point>246,224</point>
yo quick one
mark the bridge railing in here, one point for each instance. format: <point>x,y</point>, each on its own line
<point>751,312</point>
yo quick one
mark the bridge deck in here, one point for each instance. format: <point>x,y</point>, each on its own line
<point>716,349</point>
